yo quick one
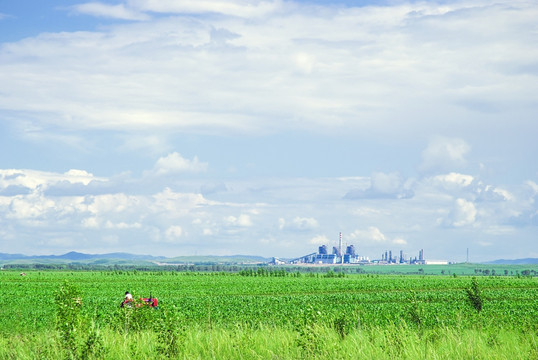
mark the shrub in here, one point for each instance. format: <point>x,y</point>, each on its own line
<point>474,295</point>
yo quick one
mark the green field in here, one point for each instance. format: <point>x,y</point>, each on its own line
<point>267,314</point>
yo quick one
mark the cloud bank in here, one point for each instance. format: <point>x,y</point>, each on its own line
<point>268,127</point>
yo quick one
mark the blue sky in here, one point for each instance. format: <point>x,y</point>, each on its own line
<point>268,127</point>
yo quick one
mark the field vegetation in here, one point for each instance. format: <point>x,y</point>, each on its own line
<point>267,314</point>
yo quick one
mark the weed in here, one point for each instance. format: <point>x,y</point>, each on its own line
<point>68,317</point>
<point>474,295</point>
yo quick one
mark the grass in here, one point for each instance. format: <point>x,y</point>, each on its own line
<point>362,316</point>
<point>243,342</point>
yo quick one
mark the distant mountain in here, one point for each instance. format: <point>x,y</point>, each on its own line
<point>213,259</point>
<point>123,258</point>
<point>76,256</point>
<point>514,261</point>
<point>12,256</point>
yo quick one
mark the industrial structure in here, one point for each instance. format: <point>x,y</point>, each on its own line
<point>336,256</point>
<point>387,258</point>
<point>350,256</point>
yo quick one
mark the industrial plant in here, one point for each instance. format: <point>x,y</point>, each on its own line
<point>351,256</point>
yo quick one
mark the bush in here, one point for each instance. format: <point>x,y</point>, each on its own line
<point>68,319</point>
<point>474,295</point>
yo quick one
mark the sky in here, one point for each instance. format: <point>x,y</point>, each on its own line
<point>182,128</point>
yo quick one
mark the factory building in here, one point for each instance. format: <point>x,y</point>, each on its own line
<point>388,258</point>
<point>337,256</point>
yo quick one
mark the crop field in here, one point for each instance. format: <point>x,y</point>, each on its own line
<point>277,315</point>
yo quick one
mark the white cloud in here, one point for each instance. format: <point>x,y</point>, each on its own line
<point>122,225</point>
<point>174,163</point>
<point>371,235</point>
<point>463,213</point>
<point>184,218</point>
<point>366,212</point>
<point>119,11</point>
<point>533,186</point>
<point>34,179</point>
<point>361,85</point>
<point>350,60</point>
<point>169,204</point>
<point>240,8</point>
<point>491,193</point>
<point>173,233</point>
<point>298,224</point>
<point>91,222</point>
<point>454,180</point>
<point>35,207</point>
<point>384,185</point>
<point>319,240</point>
<point>112,203</point>
<point>445,154</point>
<point>242,220</point>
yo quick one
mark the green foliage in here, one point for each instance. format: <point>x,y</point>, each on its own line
<point>415,310</point>
<point>93,345</point>
<point>343,324</point>
<point>68,316</point>
<point>170,330</point>
<point>309,337</point>
<point>138,317</point>
<point>316,315</point>
<point>474,295</point>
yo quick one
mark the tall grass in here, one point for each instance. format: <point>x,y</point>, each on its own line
<point>245,342</point>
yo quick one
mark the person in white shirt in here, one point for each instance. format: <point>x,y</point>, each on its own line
<point>127,300</point>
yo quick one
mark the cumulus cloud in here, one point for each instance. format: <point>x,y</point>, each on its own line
<point>173,232</point>
<point>370,235</point>
<point>533,186</point>
<point>169,216</point>
<point>463,213</point>
<point>492,193</point>
<point>91,222</point>
<point>35,179</point>
<point>383,185</point>
<point>122,225</point>
<point>298,224</point>
<point>398,72</point>
<point>319,240</point>
<point>444,154</point>
<point>242,220</point>
<point>174,163</point>
<point>453,180</point>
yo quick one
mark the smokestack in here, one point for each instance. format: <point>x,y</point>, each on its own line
<point>340,249</point>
